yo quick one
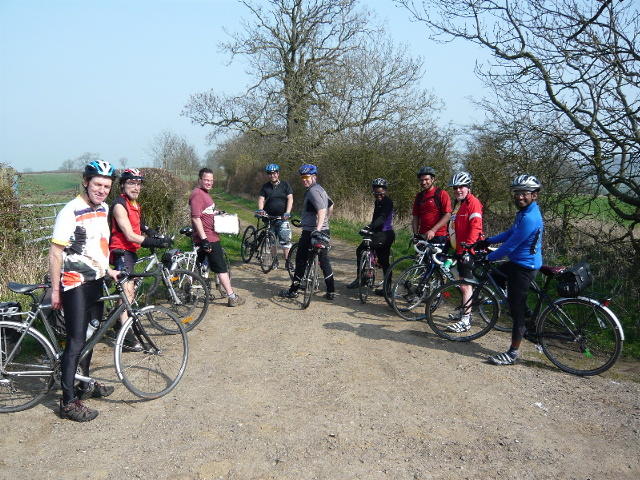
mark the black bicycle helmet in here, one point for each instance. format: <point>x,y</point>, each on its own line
<point>527,183</point>
<point>99,168</point>
<point>379,183</point>
<point>460,179</point>
<point>308,170</point>
<point>272,167</point>
<point>131,174</point>
<point>426,171</point>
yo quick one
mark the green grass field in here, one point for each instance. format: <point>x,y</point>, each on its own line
<point>49,187</point>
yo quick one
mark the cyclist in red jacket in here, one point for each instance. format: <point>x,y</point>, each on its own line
<point>466,226</point>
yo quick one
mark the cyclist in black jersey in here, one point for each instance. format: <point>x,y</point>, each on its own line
<point>381,228</point>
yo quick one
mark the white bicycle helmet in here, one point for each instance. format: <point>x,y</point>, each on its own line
<point>526,183</point>
<point>460,179</point>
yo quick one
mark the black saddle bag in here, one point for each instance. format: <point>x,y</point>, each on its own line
<point>573,281</point>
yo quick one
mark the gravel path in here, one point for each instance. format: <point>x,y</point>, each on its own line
<point>338,391</point>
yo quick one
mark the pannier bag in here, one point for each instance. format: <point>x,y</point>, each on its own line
<point>227,223</point>
<point>573,281</point>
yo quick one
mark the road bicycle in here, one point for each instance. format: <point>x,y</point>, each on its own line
<point>262,242</point>
<point>397,267</point>
<point>189,261</point>
<point>579,335</point>
<point>30,350</point>
<point>411,288</point>
<point>310,281</point>
<point>181,290</point>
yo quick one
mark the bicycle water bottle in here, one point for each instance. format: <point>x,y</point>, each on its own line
<point>94,324</point>
<point>447,264</point>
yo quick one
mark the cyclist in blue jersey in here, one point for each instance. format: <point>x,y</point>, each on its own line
<point>522,245</point>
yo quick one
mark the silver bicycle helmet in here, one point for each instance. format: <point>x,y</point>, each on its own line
<point>379,183</point>
<point>460,179</point>
<point>527,183</point>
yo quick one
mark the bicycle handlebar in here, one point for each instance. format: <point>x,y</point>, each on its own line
<point>422,246</point>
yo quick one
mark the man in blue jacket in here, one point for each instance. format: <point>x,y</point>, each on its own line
<point>522,245</point>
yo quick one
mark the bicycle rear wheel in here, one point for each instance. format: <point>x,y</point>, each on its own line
<point>579,336</point>
<point>310,280</point>
<point>445,307</point>
<point>290,264</point>
<point>267,257</point>
<point>395,270</point>
<point>187,295</point>
<point>157,369</point>
<point>26,368</point>
<point>411,290</point>
<point>247,247</point>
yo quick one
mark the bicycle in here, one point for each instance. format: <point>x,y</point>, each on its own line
<point>181,290</point>
<point>414,285</point>
<point>30,353</point>
<point>399,266</point>
<point>310,281</point>
<point>189,261</point>
<point>579,335</point>
<point>366,266</point>
<point>261,241</point>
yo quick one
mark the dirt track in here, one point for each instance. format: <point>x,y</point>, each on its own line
<point>338,391</point>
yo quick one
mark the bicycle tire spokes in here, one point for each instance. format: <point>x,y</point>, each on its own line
<point>445,308</point>
<point>27,370</point>
<point>157,369</point>
<point>579,337</point>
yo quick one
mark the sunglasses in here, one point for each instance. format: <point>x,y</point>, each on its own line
<point>305,177</point>
<point>377,194</point>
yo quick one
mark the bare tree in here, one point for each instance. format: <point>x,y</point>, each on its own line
<point>320,68</point>
<point>174,153</point>
<point>567,69</point>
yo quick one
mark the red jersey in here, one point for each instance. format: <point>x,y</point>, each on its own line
<point>118,238</point>
<point>468,222</point>
<point>427,211</point>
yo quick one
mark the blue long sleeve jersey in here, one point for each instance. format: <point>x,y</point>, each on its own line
<point>522,243</point>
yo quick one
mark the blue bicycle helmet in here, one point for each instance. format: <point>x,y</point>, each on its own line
<point>99,168</point>
<point>308,170</point>
<point>272,167</point>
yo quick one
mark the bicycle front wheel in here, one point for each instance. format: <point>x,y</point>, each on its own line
<point>157,369</point>
<point>579,336</point>
<point>310,280</point>
<point>27,367</point>
<point>411,290</point>
<point>247,247</point>
<point>186,294</point>
<point>445,307</point>
<point>268,254</point>
<point>367,276</point>
<point>394,271</point>
<point>291,260</point>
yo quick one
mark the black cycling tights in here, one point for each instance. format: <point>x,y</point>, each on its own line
<point>301,262</point>
<point>80,306</point>
<point>517,282</point>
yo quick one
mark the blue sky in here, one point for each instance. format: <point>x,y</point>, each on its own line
<point>108,76</point>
